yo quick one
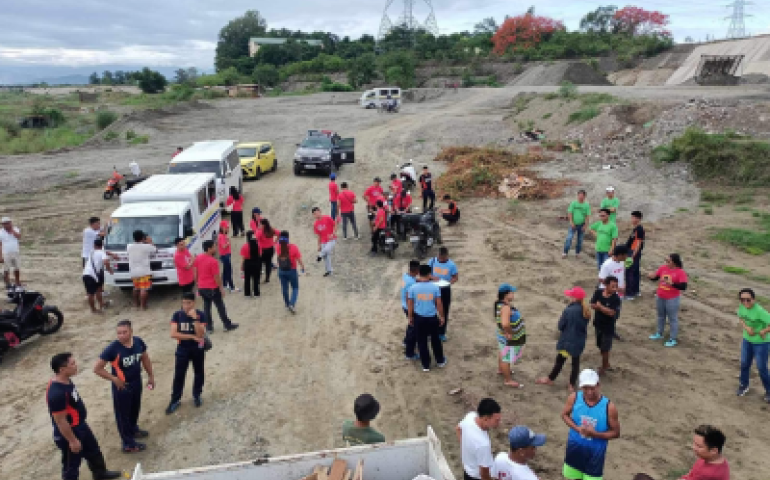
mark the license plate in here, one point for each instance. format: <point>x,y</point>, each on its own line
<point>344,156</point>
<point>390,240</point>
<point>414,239</point>
<point>310,167</point>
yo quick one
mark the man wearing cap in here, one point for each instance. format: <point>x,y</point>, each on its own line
<point>9,238</point>
<point>359,432</point>
<point>512,465</point>
<point>334,194</point>
<point>611,203</point>
<point>593,422</point>
<point>473,435</point>
<point>606,236</point>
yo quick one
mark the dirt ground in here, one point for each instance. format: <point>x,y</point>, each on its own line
<point>283,384</point>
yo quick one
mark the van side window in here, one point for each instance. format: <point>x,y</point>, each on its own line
<point>203,201</point>
<point>383,93</point>
<point>212,193</point>
<point>187,222</point>
<point>234,161</point>
<point>395,92</point>
<point>264,149</point>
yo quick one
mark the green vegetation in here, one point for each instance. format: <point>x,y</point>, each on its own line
<point>716,197</point>
<point>731,159</point>
<point>568,90</point>
<point>584,114</point>
<point>105,118</point>
<point>743,209</point>
<point>708,211</point>
<point>735,270</point>
<point>547,116</point>
<point>753,242</point>
<point>139,140</point>
<point>111,136</point>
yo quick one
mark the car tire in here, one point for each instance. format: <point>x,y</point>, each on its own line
<point>297,171</point>
<point>275,165</point>
<point>257,174</point>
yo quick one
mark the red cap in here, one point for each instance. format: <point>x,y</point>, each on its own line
<point>576,293</point>
<point>224,224</point>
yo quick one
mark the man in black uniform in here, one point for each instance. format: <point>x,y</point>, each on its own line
<point>606,305</point>
<point>188,328</point>
<point>71,433</point>
<point>127,355</point>
<point>426,183</point>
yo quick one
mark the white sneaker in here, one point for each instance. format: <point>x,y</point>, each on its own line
<point>563,255</point>
<point>442,365</point>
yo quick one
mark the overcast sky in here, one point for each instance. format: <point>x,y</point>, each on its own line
<point>184,32</point>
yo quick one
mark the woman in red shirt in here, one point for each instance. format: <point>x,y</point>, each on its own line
<point>252,264</point>
<point>267,236</point>
<point>256,216</point>
<point>225,251</point>
<point>236,215</point>
<point>288,258</point>
<point>672,281</point>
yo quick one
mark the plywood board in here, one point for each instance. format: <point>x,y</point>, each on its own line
<point>359,473</point>
<point>338,469</point>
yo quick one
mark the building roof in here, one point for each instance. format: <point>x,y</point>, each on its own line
<point>281,41</point>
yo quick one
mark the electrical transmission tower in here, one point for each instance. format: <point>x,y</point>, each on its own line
<point>737,28</point>
<point>408,20</point>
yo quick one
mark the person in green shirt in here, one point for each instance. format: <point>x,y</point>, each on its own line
<point>366,408</point>
<point>611,203</point>
<point>606,237</point>
<point>577,213</point>
<point>756,341</point>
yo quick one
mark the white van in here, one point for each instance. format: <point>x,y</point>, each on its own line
<point>164,207</point>
<point>219,157</point>
<point>374,98</point>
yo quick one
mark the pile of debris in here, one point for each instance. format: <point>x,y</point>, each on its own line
<point>338,471</point>
<point>492,172</point>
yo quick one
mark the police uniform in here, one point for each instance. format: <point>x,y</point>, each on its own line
<point>187,351</point>
<point>126,363</point>
<point>444,271</point>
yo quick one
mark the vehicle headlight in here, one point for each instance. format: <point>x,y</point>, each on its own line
<point>326,157</point>
<point>297,156</point>
<point>167,264</point>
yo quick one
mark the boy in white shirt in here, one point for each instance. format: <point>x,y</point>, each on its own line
<point>473,436</point>
<point>513,465</point>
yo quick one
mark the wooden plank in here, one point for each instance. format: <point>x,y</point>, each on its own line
<point>323,472</point>
<point>312,476</point>
<point>347,475</point>
<point>338,469</point>
<point>359,473</point>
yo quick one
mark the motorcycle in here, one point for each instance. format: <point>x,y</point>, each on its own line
<point>408,175</point>
<point>385,108</point>
<point>423,231</point>
<point>112,188</point>
<point>387,242</point>
<point>30,317</point>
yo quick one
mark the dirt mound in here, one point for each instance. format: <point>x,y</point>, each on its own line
<point>479,172</point>
<point>578,73</point>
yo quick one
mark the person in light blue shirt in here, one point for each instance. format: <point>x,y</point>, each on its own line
<point>426,316</point>
<point>442,268</point>
<point>409,279</point>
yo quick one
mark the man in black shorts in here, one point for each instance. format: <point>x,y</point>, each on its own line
<point>606,304</point>
<point>93,275</point>
<point>71,433</point>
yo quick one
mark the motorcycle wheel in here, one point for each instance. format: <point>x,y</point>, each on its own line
<point>52,320</point>
<point>437,235</point>
<point>420,251</point>
<point>107,195</point>
<point>391,253</point>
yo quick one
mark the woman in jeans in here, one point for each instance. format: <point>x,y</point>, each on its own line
<point>573,326</point>
<point>672,281</point>
<point>266,236</point>
<point>288,257</point>
<point>251,266</point>
<point>225,251</point>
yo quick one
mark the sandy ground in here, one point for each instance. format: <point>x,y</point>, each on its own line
<point>283,384</point>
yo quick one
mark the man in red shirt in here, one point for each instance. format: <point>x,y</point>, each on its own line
<point>210,286</point>
<point>183,261</point>
<point>395,185</point>
<point>372,193</point>
<point>707,443</point>
<point>402,203</point>
<point>334,193</point>
<point>326,229</point>
<point>380,223</point>
<point>347,201</point>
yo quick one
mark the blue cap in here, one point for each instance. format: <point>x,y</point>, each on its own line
<point>506,288</point>
<point>256,210</point>
<point>521,437</point>
<point>333,176</point>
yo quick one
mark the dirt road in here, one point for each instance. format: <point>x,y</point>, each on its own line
<point>283,384</point>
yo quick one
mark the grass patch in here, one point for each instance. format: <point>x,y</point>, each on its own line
<point>34,141</point>
<point>759,278</point>
<point>547,116</point>
<point>744,198</point>
<point>105,118</point>
<point>71,174</point>
<point>584,114</point>
<point>708,211</point>
<point>676,474</point>
<point>763,300</point>
<point>139,140</point>
<point>716,197</point>
<point>752,242</point>
<point>111,136</point>
<point>682,209</point>
<point>725,157</point>
<point>735,270</point>
<point>743,209</point>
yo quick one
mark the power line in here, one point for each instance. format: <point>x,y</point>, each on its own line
<point>737,28</point>
<point>407,18</point>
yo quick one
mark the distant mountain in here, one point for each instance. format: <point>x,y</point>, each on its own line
<point>13,74</point>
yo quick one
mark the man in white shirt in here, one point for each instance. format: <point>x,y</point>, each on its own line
<point>615,266</point>
<point>9,252</point>
<point>513,465</point>
<point>139,254</point>
<point>473,436</point>
<point>135,170</point>
<point>93,275</point>
<point>90,234</point>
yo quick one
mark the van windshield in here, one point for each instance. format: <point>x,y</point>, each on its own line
<point>162,230</point>
<point>196,167</point>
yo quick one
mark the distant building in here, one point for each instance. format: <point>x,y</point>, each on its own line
<point>255,43</point>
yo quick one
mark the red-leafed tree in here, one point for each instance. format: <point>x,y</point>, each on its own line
<point>524,31</point>
<point>638,21</point>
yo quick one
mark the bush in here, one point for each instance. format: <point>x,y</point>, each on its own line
<point>105,118</point>
<point>336,87</point>
<point>584,114</point>
<point>518,68</point>
<point>150,81</point>
<point>111,136</point>
<point>139,140</point>
<point>568,90</point>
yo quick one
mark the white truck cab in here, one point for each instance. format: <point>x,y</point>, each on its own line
<point>375,97</point>
<point>164,207</point>
<point>219,157</point>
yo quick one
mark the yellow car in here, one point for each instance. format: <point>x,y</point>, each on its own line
<point>256,159</point>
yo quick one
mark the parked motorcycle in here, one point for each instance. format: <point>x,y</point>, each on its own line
<point>385,108</point>
<point>387,243</point>
<point>423,231</point>
<point>408,175</point>
<point>30,317</point>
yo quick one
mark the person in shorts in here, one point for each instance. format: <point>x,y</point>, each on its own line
<point>139,254</point>
<point>93,275</point>
<point>511,334</point>
<point>10,258</point>
<point>606,305</point>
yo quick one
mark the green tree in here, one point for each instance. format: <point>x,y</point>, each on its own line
<point>119,77</point>
<point>93,79</point>
<point>180,76</point>
<point>107,78</point>
<point>399,68</point>
<point>229,77</point>
<point>266,75</point>
<point>151,81</point>
<point>363,70</point>
<point>233,43</point>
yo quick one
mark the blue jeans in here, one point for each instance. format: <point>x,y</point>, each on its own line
<point>227,271</point>
<point>289,278</point>
<point>334,210</point>
<point>580,231</point>
<point>601,257</point>
<point>668,308</point>
<point>750,351</point>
